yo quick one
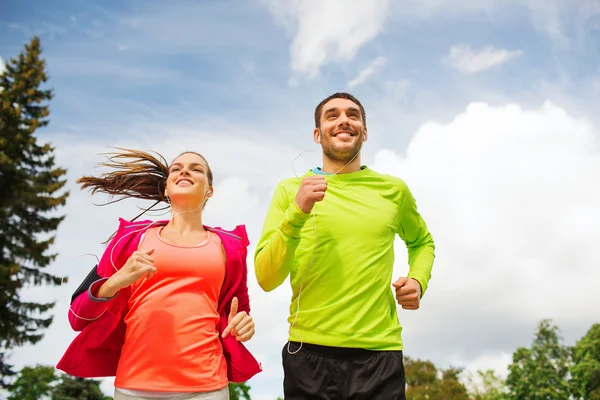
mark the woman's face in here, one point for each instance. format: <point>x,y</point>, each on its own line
<point>188,179</point>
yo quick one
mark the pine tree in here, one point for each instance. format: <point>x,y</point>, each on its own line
<point>30,194</point>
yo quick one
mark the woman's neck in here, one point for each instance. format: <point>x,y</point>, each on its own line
<point>184,222</point>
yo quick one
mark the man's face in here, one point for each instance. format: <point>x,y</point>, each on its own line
<point>342,130</point>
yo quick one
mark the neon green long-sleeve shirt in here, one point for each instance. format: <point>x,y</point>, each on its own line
<point>340,258</point>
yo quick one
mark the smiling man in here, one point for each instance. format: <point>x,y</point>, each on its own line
<point>332,231</point>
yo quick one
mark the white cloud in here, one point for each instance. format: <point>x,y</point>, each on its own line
<point>555,17</point>
<point>469,61</point>
<point>558,19</point>
<point>371,69</point>
<point>327,31</point>
<point>2,66</point>
<point>510,197</point>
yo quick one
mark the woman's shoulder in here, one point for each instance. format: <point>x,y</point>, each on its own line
<point>238,235</point>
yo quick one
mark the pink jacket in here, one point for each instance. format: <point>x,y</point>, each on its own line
<point>95,351</point>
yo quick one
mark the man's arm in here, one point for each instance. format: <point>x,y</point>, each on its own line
<point>280,237</point>
<point>413,231</point>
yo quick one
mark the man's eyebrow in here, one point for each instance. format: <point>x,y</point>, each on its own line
<point>336,109</point>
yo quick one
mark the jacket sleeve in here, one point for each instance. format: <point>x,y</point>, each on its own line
<point>413,230</point>
<point>275,252</point>
<point>241,291</point>
<point>85,306</point>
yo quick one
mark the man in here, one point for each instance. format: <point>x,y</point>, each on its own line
<point>332,232</point>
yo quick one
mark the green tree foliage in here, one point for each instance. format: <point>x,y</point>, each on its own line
<point>30,195</point>
<point>489,387</point>
<point>542,371</point>
<point>586,365</point>
<point>33,383</point>
<point>425,381</point>
<point>44,382</point>
<point>239,391</point>
<point>70,388</point>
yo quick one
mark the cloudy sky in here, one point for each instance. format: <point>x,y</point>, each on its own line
<point>487,109</point>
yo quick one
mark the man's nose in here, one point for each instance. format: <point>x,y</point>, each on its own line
<point>343,120</point>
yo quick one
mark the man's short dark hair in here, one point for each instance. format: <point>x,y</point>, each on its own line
<point>339,95</point>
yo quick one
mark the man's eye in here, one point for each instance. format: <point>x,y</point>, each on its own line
<point>198,170</point>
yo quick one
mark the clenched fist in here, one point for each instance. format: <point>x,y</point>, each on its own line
<point>140,263</point>
<point>408,293</point>
<point>311,190</point>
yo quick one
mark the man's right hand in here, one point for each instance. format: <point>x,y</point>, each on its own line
<point>140,263</point>
<point>311,190</point>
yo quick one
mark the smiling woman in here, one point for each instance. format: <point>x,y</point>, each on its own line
<point>165,293</point>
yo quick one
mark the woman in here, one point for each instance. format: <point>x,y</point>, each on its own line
<point>166,309</point>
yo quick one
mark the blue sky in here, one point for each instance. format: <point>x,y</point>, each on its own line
<point>487,109</point>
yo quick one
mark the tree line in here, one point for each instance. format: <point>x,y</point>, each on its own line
<point>32,193</point>
<point>547,370</point>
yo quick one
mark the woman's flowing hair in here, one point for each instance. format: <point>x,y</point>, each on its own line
<point>132,174</point>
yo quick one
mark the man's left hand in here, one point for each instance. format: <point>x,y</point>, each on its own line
<point>408,293</point>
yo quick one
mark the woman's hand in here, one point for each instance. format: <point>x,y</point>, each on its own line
<point>140,263</point>
<point>241,325</point>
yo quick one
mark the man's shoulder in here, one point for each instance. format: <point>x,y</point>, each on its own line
<point>388,178</point>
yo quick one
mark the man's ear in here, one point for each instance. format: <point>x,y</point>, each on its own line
<point>317,135</point>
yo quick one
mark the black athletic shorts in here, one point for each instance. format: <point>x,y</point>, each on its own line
<point>334,373</point>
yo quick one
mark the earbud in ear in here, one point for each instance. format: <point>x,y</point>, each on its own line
<point>319,139</point>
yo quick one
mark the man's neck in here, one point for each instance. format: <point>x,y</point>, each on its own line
<point>341,167</point>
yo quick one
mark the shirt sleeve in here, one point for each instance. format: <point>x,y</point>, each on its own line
<point>413,230</point>
<point>275,251</point>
